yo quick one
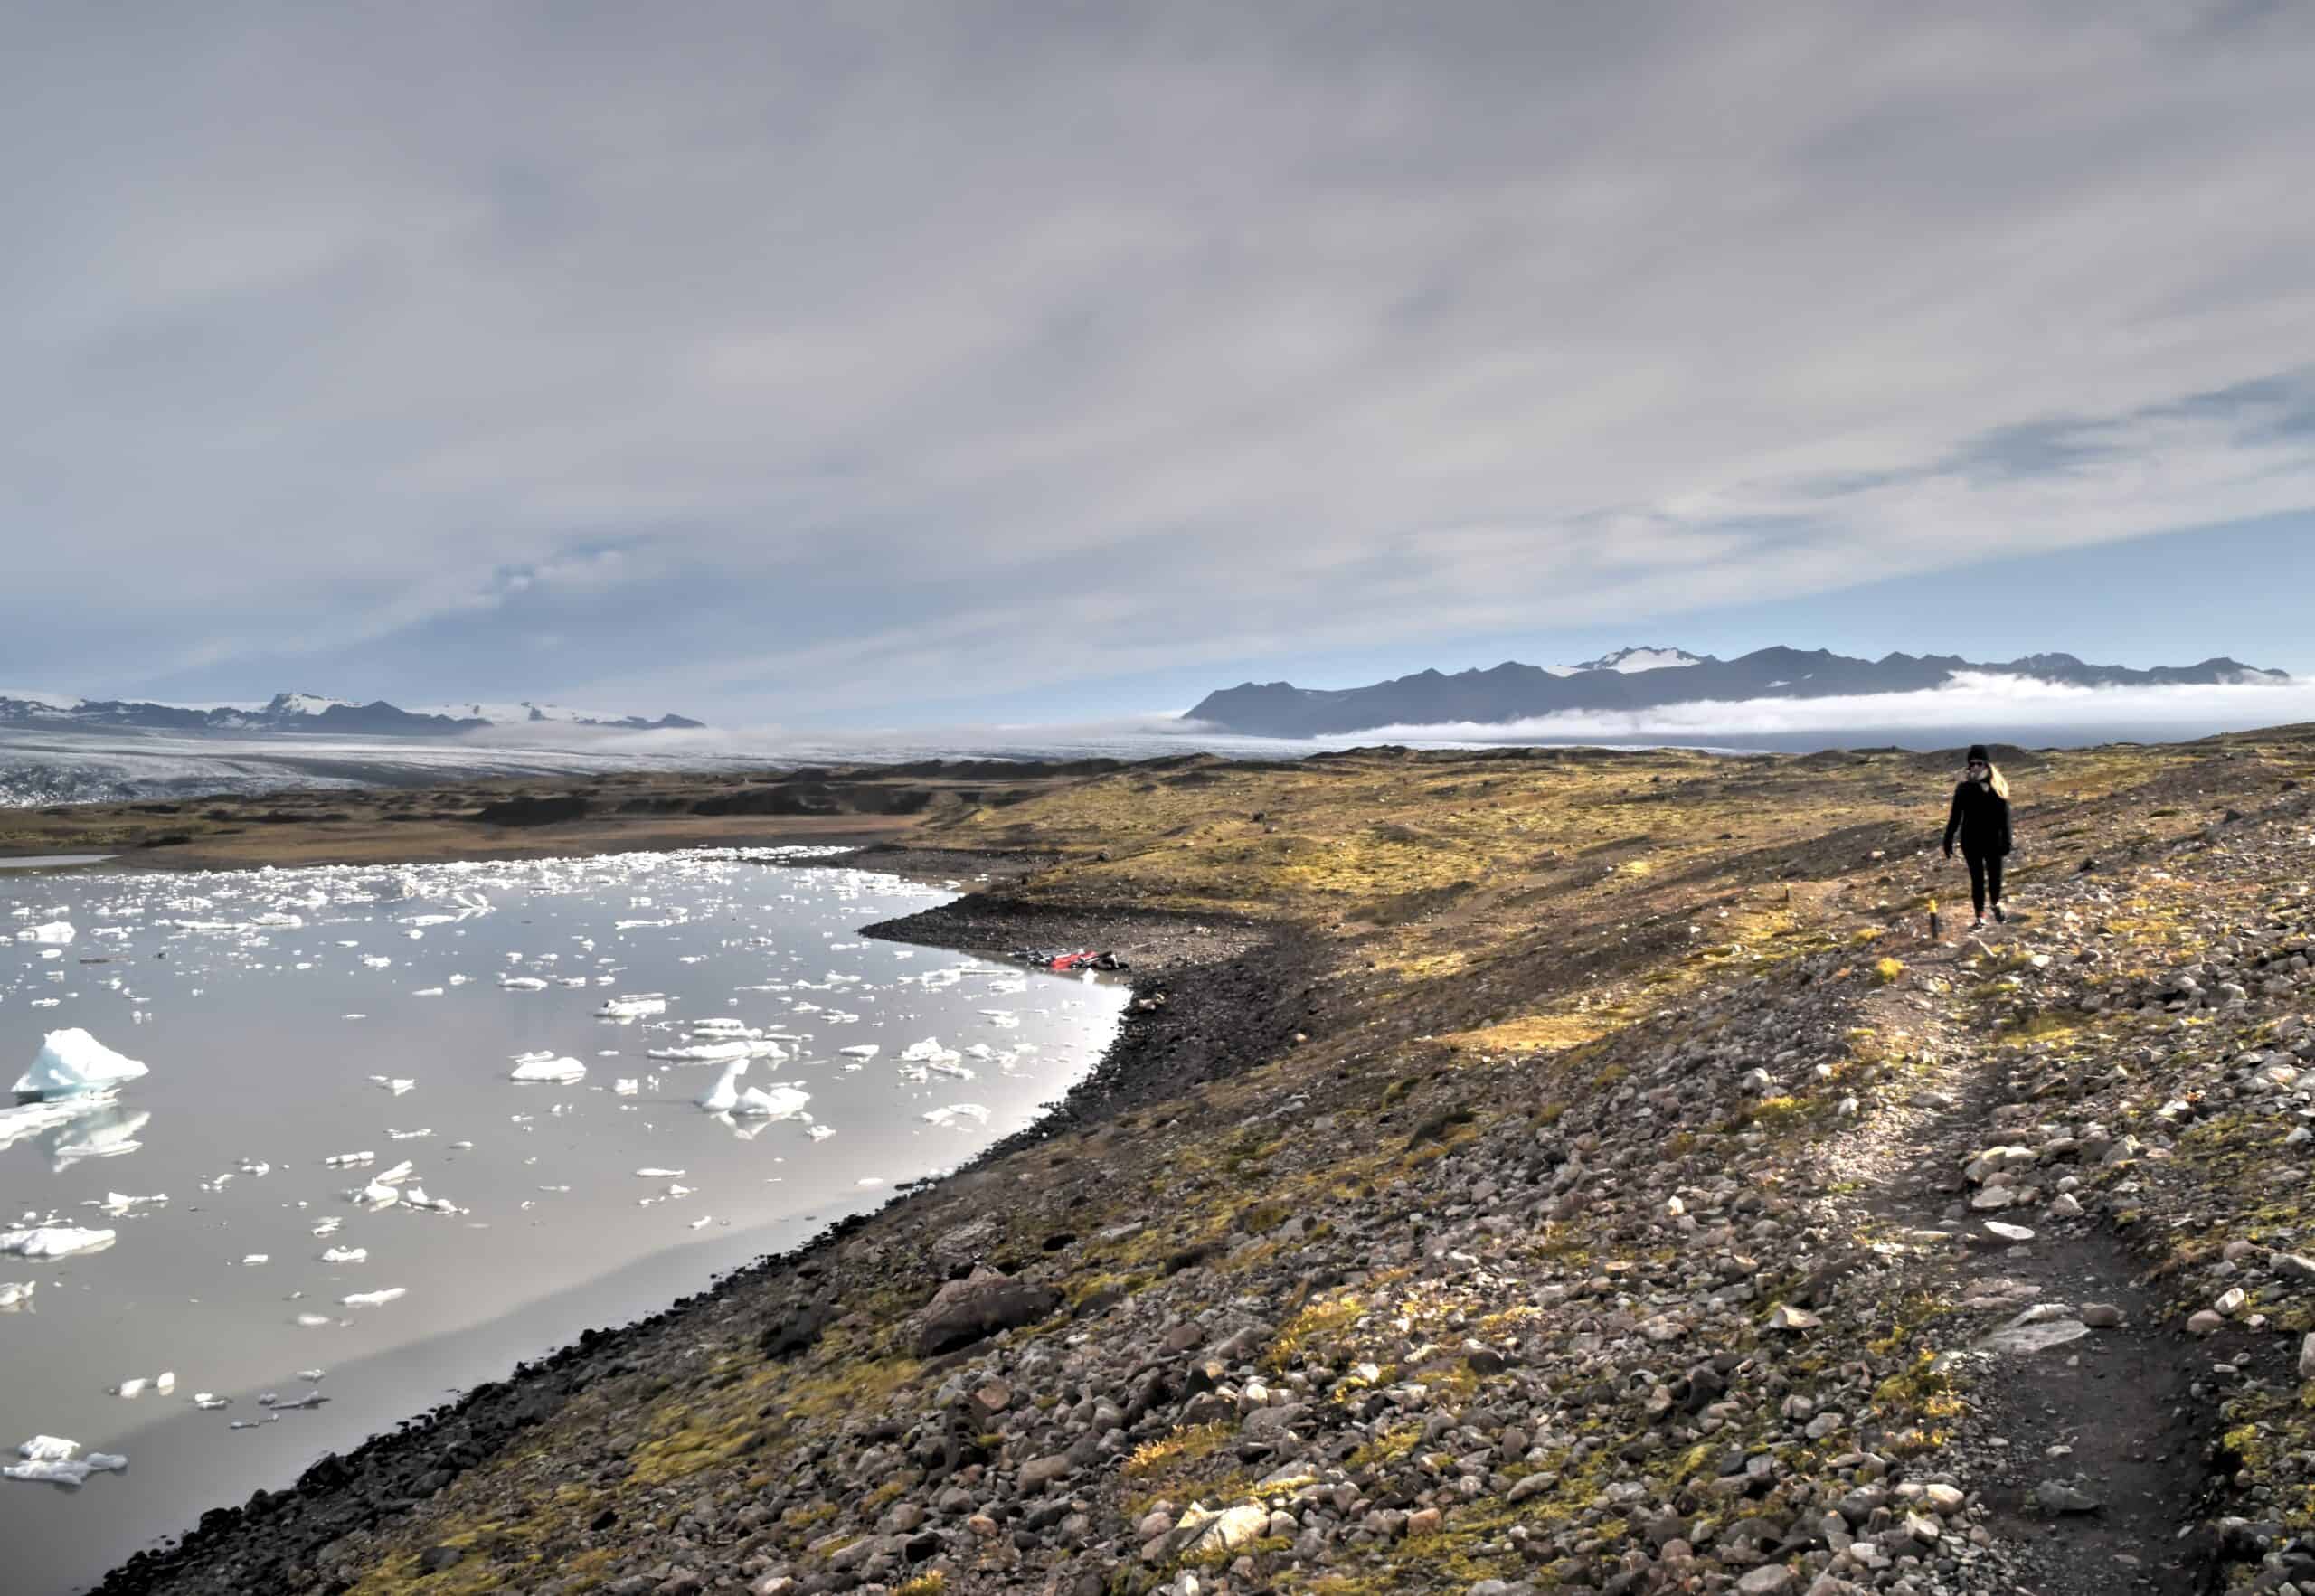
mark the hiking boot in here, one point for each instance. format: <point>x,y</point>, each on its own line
<point>1980,924</point>
<point>1999,916</point>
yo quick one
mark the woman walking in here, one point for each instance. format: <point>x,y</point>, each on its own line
<point>1980,820</point>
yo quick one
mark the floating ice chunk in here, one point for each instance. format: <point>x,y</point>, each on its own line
<point>717,1052</point>
<point>410,1135</point>
<point>72,1060</point>
<point>136,1387</point>
<point>959,1113</point>
<point>376,960</point>
<point>47,1449</point>
<point>345,1255</point>
<point>310,1321</point>
<point>328,1227</point>
<point>379,1195</point>
<point>122,1203</point>
<point>14,1294</point>
<point>701,1222</point>
<point>312,1376</point>
<point>252,1259</point>
<point>209,1401</point>
<point>394,1085</point>
<point>779,1102</point>
<point>397,1175</point>
<point>56,932</point>
<point>374,1298</point>
<point>416,1197</point>
<point>547,1067</point>
<point>724,1095</point>
<point>656,1173</point>
<point>53,1240</point>
<point>522,983</point>
<point>819,1132</point>
<point>427,992</point>
<point>866,1050</point>
<point>342,1160</point>
<point>627,1086</point>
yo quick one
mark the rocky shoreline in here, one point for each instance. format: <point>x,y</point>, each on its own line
<point>1201,993</point>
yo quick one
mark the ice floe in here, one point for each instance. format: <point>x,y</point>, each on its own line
<point>47,1460</point>
<point>71,1061</point>
<point>54,1241</point>
<point>548,1068</point>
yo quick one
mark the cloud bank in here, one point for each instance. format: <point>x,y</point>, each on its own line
<point>1999,708</point>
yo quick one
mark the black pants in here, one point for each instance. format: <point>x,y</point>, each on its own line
<point>1985,877</point>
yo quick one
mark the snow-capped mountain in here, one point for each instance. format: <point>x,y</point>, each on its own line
<point>306,712</point>
<point>1631,662</point>
<point>1646,679</point>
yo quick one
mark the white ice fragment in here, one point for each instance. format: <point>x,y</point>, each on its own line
<point>779,1102</point>
<point>394,1085</point>
<point>654,1173</point>
<point>252,1259</point>
<point>314,1321</point>
<point>627,1086</point>
<point>345,1255</point>
<point>56,932</point>
<point>522,983</point>
<point>374,1298</point>
<point>427,992</point>
<point>72,1060</point>
<point>958,1113</point>
<point>379,1195</point>
<point>53,1240</point>
<point>14,1294</point>
<point>209,1401</point>
<point>721,1098</point>
<point>867,1049</point>
<point>547,1067</point>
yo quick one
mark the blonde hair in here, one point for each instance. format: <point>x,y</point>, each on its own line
<point>1994,779</point>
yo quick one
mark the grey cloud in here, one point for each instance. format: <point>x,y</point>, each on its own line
<point>869,344</point>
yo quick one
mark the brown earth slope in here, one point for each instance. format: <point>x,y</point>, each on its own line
<point>1525,1171</point>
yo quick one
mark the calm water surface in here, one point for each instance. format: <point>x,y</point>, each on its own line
<point>281,1011</point>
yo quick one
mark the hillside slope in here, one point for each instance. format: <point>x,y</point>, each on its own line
<point>1531,1171</point>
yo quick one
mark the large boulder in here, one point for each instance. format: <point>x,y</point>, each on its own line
<point>981,1304</point>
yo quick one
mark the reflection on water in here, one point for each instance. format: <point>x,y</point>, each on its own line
<point>329,1172</point>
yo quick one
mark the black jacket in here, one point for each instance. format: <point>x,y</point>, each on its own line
<point>1980,818</point>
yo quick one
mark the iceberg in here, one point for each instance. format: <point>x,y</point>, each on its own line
<point>56,933</point>
<point>72,1060</point>
<point>722,1096</point>
<point>522,983</point>
<point>53,1240</point>
<point>14,1294</point>
<point>48,1461</point>
<point>374,1298</point>
<point>546,1067</point>
<point>780,1102</point>
<point>958,1113</point>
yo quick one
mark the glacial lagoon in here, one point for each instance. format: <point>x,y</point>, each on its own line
<point>399,1128</point>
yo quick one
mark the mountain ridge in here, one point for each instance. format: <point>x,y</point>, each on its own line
<point>1644,678</point>
<point>291,713</point>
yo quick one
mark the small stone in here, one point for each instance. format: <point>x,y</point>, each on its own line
<point>1794,1319</point>
<point>2307,1358</point>
<point>2205,1323</point>
<point>2231,1301</point>
<point>1425,1521</point>
<point>2100,1315</point>
<point>1769,1579</point>
<point>435,1559</point>
<point>2057,1496</point>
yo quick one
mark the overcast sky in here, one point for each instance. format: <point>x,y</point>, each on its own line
<point>803,364</point>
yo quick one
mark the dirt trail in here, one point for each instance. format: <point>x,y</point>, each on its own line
<point>2044,1433</point>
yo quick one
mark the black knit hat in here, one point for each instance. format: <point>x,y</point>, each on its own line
<point>1977,755</point>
